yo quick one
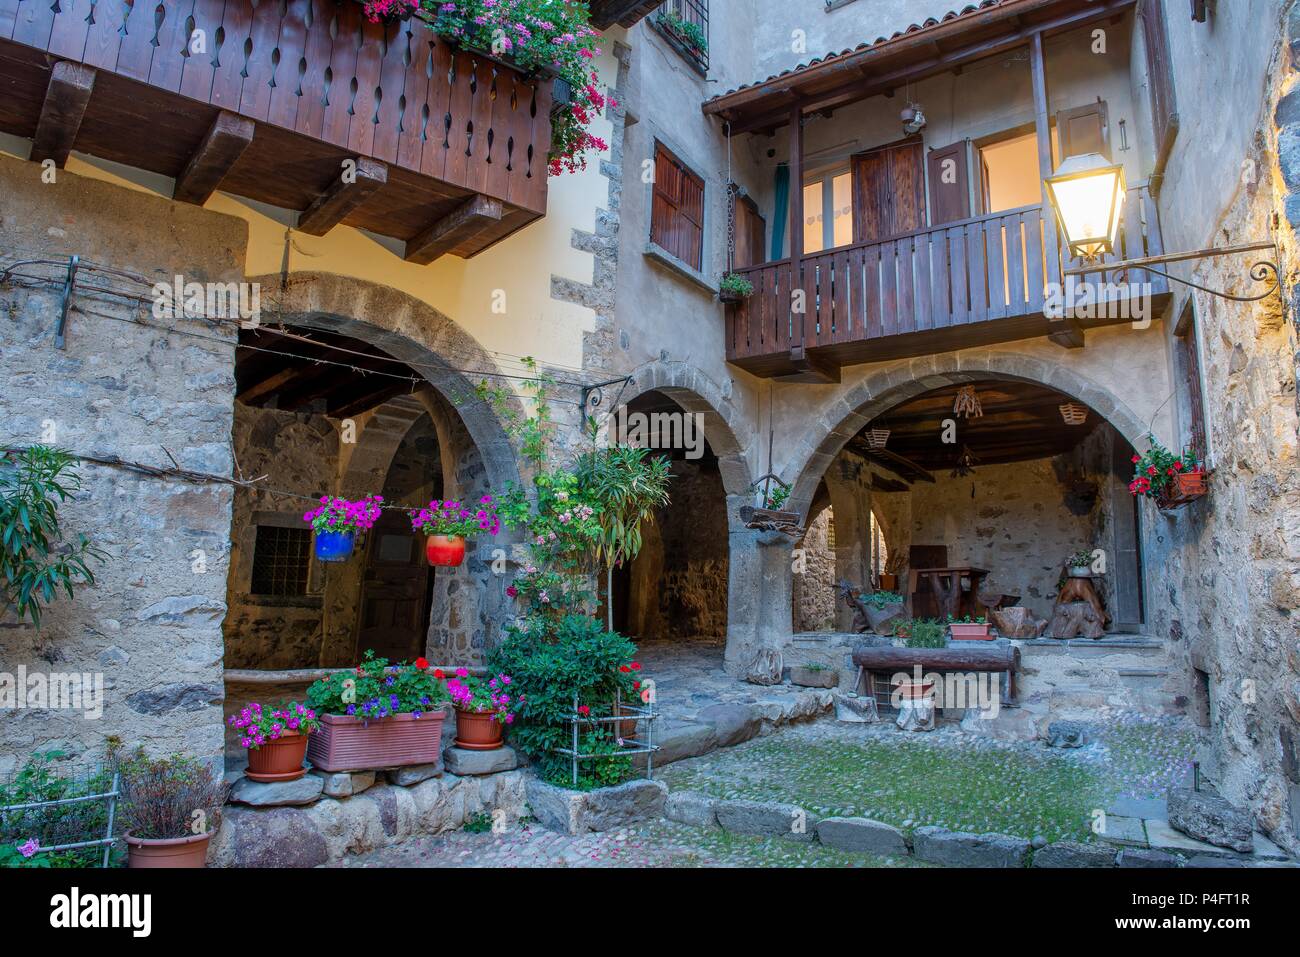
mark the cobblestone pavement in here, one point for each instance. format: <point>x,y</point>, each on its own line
<point>658,844</point>
<point>947,777</point>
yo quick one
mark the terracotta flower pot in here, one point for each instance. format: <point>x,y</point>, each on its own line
<point>888,582</point>
<point>1184,487</point>
<point>345,743</point>
<point>970,632</point>
<point>189,851</point>
<point>278,760</point>
<point>445,551</point>
<point>477,731</point>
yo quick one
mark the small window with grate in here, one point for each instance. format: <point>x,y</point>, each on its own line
<point>281,560</point>
<point>685,24</point>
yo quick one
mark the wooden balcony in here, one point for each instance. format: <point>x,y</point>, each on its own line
<point>269,100</point>
<point>972,283</point>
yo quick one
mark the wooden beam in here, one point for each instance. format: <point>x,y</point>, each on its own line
<point>1066,332</point>
<point>269,384</point>
<point>342,197</point>
<point>473,216</point>
<point>65,104</point>
<point>809,368</point>
<point>221,148</point>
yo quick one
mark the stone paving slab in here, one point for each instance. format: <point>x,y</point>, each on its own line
<point>1123,830</point>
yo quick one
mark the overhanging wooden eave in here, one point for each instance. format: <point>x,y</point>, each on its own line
<point>905,58</point>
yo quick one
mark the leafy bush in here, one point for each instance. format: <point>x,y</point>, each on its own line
<point>879,599</point>
<point>923,633</point>
<point>552,664</point>
<point>36,562</point>
<point>374,689</point>
<point>736,285</point>
<point>21,832</point>
<point>169,797</point>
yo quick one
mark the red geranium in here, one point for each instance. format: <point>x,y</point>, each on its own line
<point>422,664</point>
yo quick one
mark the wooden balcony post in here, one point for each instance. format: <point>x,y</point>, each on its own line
<point>796,222</point>
<point>1064,331</point>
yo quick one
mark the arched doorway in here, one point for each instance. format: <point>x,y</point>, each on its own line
<point>676,588</point>
<point>1000,478</point>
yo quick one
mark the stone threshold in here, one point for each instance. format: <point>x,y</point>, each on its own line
<point>938,845</point>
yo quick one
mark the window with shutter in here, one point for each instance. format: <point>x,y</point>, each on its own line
<point>677,210</point>
<point>949,184</point>
<point>751,234</point>
<point>1083,129</point>
<point>1160,78</point>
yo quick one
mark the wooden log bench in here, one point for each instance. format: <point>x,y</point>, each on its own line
<point>891,660</point>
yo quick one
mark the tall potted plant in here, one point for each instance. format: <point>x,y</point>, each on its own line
<point>276,739</point>
<point>170,805</point>
<point>446,524</point>
<point>376,716</point>
<point>336,522</point>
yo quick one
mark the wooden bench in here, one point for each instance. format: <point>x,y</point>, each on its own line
<point>891,660</point>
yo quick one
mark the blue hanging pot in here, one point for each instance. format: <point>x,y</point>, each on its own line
<point>334,546</point>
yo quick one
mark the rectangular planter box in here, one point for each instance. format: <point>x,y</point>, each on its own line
<point>970,632</point>
<point>1186,487</point>
<point>353,744</point>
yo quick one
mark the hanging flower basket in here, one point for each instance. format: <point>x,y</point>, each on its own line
<point>446,523</point>
<point>335,546</point>
<point>336,523</point>
<point>445,551</point>
<point>1185,488</point>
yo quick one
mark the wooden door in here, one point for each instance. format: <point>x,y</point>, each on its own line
<point>949,184</point>
<point>394,591</point>
<point>1124,573</point>
<point>889,191</point>
<point>751,233</point>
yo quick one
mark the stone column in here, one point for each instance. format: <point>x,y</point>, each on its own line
<point>761,587</point>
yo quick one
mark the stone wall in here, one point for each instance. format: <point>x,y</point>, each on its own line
<point>815,594</point>
<point>145,390</point>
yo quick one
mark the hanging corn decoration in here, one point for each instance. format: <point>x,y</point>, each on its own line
<point>1073,413</point>
<point>967,403</point>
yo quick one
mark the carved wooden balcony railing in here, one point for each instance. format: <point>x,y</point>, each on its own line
<point>270,99</point>
<point>976,282</point>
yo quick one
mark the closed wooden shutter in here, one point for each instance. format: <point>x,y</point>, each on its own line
<point>949,184</point>
<point>888,191</point>
<point>1160,78</point>
<point>1084,129</point>
<point>751,233</point>
<point>677,213</point>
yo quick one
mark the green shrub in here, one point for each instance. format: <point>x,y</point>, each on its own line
<point>50,826</point>
<point>550,663</point>
<point>923,633</point>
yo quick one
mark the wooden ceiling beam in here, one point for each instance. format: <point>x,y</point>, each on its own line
<point>226,140</point>
<point>476,214</point>
<point>345,194</point>
<point>66,99</point>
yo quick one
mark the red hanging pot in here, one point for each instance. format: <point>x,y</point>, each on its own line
<point>446,551</point>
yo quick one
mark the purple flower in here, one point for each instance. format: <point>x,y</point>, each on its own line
<point>29,847</point>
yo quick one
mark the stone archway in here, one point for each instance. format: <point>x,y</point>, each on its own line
<point>695,392</point>
<point>470,605</point>
<point>843,417</point>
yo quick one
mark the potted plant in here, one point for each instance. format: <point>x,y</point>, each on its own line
<point>389,11</point>
<point>447,523</point>
<point>484,706</point>
<point>690,35</point>
<point>169,805</point>
<point>1079,565</point>
<point>969,628</point>
<point>882,607</point>
<point>922,633</point>
<point>734,287</point>
<point>1172,480</point>
<point>377,716</point>
<point>276,739</point>
<point>336,522</point>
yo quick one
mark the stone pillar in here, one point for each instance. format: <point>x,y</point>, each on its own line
<point>761,587</point>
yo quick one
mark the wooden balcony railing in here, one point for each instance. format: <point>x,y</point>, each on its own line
<point>974,282</point>
<point>269,99</point>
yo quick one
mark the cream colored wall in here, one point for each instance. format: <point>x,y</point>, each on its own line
<point>521,266</point>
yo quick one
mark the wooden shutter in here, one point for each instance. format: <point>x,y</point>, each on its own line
<point>888,191</point>
<point>949,184</point>
<point>1160,78</point>
<point>677,210</point>
<point>1189,369</point>
<point>751,233</point>
<point>1084,129</point>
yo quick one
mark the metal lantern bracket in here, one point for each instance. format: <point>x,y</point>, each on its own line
<point>1259,272</point>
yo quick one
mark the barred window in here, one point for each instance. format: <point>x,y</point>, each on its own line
<point>281,558</point>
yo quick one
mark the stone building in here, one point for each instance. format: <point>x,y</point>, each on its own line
<point>926,256</point>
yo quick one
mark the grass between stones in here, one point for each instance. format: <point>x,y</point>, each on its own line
<point>946,778</point>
